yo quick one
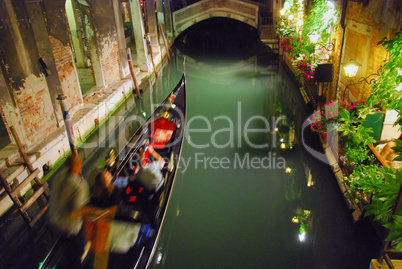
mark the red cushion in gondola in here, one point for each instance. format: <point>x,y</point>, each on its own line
<point>162,132</point>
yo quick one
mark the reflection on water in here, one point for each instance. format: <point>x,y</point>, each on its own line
<point>244,175</point>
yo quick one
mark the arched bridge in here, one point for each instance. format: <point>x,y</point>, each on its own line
<point>235,9</point>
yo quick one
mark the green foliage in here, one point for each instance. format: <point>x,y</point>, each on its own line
<point>346,121</point>
<point>382,183</point>
<point>395,234</point>
<point>353,135</point>
<point>398,148</point>
<point>319,20</point>
<point>385,91</point>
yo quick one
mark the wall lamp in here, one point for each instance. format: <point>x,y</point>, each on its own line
<point>351,67</point>
<point>314,40</point>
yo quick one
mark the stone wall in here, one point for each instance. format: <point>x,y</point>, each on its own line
<point>365,27</point>
<point>24,86</point>
<point>106,36</point>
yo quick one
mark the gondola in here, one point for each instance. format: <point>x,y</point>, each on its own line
<point>141,212</point>
<point>164,130</point>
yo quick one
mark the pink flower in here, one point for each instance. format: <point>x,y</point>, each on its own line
<point>350,107</point>
<point>365,198</point>
<point>355,104</point>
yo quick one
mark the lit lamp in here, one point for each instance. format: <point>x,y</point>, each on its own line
<point>314,38</point>
<point>351,67</point>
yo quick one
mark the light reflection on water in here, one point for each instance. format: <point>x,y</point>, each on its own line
<point>228,208</point>
<point>233,201</point>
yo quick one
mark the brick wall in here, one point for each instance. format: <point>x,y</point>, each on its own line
<point>67,73</point>
<point>366,26</point>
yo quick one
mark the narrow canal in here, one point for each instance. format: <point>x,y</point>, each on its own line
<point>244,172</point>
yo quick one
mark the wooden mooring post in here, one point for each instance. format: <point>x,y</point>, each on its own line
<point>165,41</point>
<point>130,64</point>
<point>148,39</point>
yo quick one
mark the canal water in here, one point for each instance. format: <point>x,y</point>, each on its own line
<point>247,193</point>
<point>245,173</point>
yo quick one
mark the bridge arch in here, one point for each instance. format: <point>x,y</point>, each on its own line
<point>206,9</point>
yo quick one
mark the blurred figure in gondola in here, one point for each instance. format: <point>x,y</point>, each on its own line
<point>146,175</point>
<point>68,196</point>
<point>103,192</point>
<point>149,171</point>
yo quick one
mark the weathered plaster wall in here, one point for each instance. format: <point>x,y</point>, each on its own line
<point>25,86</point>
<point>106,35</point>
<point>57,28</point>
<point>35,106</point>
<point>36,17</point>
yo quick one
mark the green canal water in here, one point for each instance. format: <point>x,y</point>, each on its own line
<point>237,190</point>
<point>233,201</point>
